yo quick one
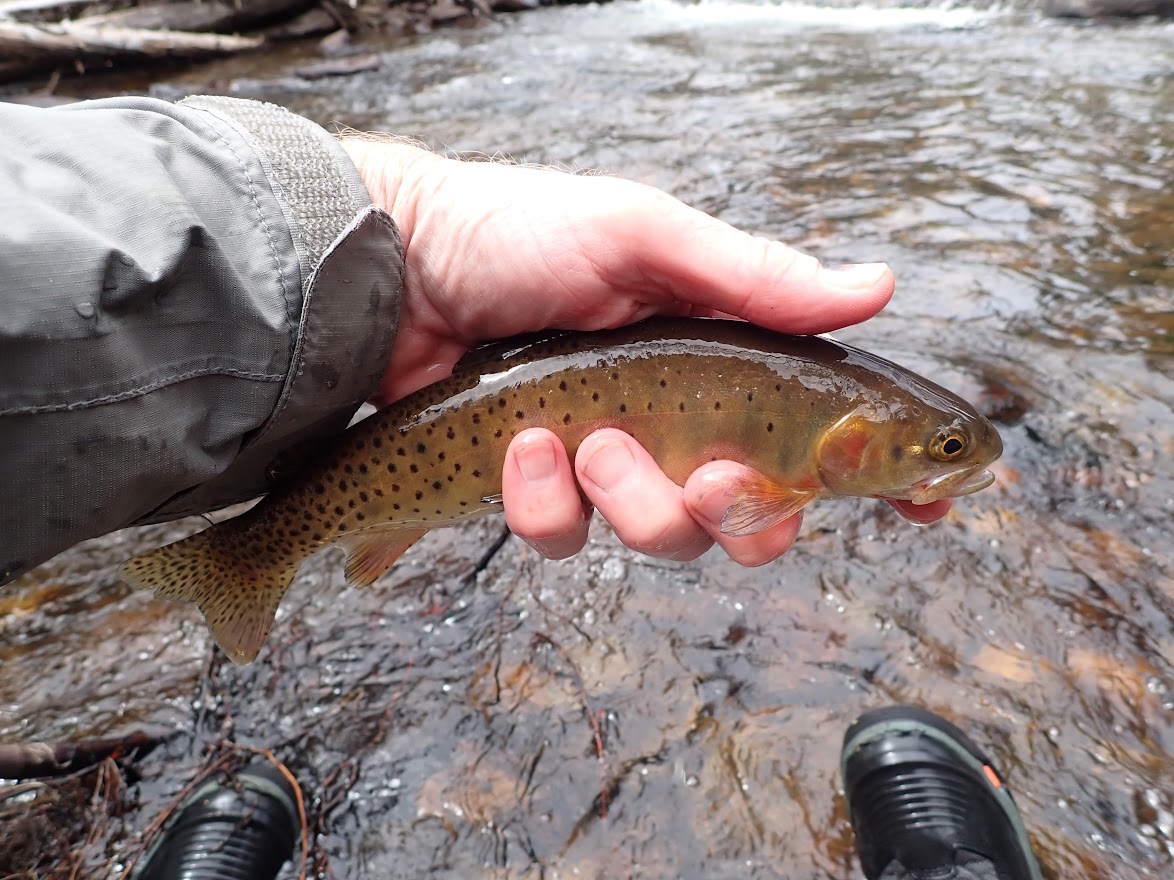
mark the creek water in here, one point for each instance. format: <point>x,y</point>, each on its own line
<point>485,713</point>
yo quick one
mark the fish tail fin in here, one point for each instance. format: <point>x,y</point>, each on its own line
<point>237,589</point>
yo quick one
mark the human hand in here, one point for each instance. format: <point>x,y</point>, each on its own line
<point>493,250</point>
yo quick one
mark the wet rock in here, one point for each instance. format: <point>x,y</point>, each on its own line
<point>340,66</point>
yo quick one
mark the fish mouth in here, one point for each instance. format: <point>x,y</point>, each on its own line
<point>953,485</point>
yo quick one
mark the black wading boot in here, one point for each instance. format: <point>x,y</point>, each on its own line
<point>241,826</point>
<point>926,803</point>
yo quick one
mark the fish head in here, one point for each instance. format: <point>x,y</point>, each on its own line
<point>916,452</point>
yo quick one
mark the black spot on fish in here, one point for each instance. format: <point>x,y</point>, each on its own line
<point>395,507</point>
<point>681,406</point>
<point>351,503</point>
<point>450,434</point>
<point>391,468</point>
<point>395,487</point>
<point>359,516</point>
<point>473,440</point>
<point>717,404</point>
<point>519,415</point>
<point>615,376</point>
<point>567,419</point>
<point>497,433</point>
<point>363,496</point>
<point>348,469</point>
<point>562,386</point>
<point>339,510</point>
<point>542,403</point>
<point>342,485</point>
<point>436,484</point>
<point>778,386</point>
<point>456,467</point>
<point>583,381</point>
<point>476,418</point>
<point>362,469</point>
<point>415,469</point>
<point>401,451</point>
<point>428,431</point>
<point>377,442</point>
<point>595,395</point>
<point>440,456</point>
<point>421,448</point>
<point>319,489</point>
<point>419,494</point>
<point>477,474</point>
<point>898,452</point>
<point>770,426</point>
<point>623,407</point>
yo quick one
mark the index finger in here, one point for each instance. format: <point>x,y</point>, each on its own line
<point>709,264</point>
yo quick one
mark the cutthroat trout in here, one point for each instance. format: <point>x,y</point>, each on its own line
<point>814,417</point>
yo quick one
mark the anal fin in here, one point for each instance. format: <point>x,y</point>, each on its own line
<point>371,552</point>
<point>761,504</point>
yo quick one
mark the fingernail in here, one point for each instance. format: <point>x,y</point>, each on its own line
<point>858,275</point>
<point>715,500</point>
<point>609,463</point>
<point>536,461</point>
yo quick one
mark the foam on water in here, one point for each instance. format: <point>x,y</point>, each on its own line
<point>805,15</point>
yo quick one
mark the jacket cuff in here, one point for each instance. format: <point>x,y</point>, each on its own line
<point>352,261</point>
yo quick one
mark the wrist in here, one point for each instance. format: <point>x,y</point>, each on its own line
<point>395,174</point>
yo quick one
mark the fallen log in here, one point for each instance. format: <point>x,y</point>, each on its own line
<point>29,47</point>
<point>67,40</point>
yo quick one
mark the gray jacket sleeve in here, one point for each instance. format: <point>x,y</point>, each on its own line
<point>187,292</point>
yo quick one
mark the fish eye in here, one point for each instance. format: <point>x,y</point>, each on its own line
<point>948,444</point>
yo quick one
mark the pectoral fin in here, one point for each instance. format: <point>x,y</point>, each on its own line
<point>760,505</point>
<point>373,551</point>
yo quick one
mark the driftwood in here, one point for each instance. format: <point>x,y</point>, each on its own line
<point>31,47</point>
<point>65,35</point>
<point>39,760</point>
<point>77,39</point>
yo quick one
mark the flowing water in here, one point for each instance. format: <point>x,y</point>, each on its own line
<point>485,714</point>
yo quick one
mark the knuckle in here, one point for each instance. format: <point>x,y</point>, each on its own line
<point>655,537</point>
